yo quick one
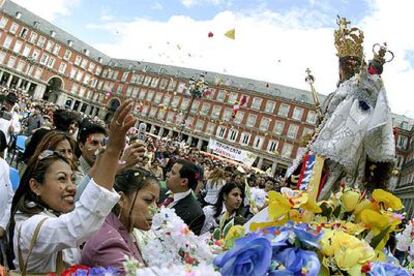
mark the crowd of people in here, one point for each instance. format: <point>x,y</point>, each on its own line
<point>88,190</point>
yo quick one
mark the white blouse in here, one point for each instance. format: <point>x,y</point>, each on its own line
<point>6,193</point>
<point>66,232</point>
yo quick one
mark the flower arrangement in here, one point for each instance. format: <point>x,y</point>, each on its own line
<point>174,243</point>
<point>82,270</point>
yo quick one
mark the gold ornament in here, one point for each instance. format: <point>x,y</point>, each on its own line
<point>348,42</point>
<point>380,51</point>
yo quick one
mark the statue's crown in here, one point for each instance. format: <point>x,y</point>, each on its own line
<point>348,41</point>
<point>380,51</point>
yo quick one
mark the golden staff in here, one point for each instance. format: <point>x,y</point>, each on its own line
<point>310,79</point>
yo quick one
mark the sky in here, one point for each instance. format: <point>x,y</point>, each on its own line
<point>276,40</point>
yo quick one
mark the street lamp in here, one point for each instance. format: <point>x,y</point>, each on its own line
<point>196,89</point>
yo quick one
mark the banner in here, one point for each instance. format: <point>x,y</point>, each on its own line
<point>310,175</point>
<point>233,153</point>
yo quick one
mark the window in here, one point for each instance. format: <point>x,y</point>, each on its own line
<point>189,122</point>
<point>140,79</point>
<point>227,114</point>
<point>154,82</point>
<point>195,106</point>
<point>11,62</point>
<point>215,114</point>
<point>232,98</point>
<point>205,108</point>
<point>164,83</point>
<point>292,131</point>
<point>239,117</point>
<point>251,120</point>
<point>98,70</point>
<point>14,27</point>
<point>91,66</point>
<point>56,49</point>
<point>184,103</point>
<point>62,68</point>
<point>24,32</point>
<point>199,125</point>
<point>175,101</point>
<point>157,98</point>
<point>67,54</point>
<point>161,114</point>
<point>142,94</point>
<point>166,100</point>
<point>78,60</point>
<point>264,124</point>
<point>297,113</point>
<point>33,37</point>
<point>170,117</point>
<point>124,76</point>
<point>73,72</point>
<point>311,117</point>
<point>221,132</point>
<point>153,112</point>
<point>278,128</point>
<point>17,46</point>
<point>257,103</point>
<point>84,63</point>
<point>41,41</point>
<point>283,110</point>
<point>8,41</point>
<point>2,56</point>
<point>287,150</point>
<point>49,46</point>
<point>258,142</point>
<point>147,80</point>
<point>21,65</point>
<point>245,138</point>
<point>144,110</point>
<point>150,95</point>
<point>3,22</point>
<point>210,128</point>
<point>44,59</point>
<point>402,142</point>
<point>135,92</point>
<point>87,78</point>
<point>233,135</point>
<point>272,145</point>
<point>26,50</point>
<point>79,77</point>
<point>51,62</point>
<point>181,87</point>
<point>171,85</point>
<point>270,106</point>
<point>307,131</point>
<point>221,95</point>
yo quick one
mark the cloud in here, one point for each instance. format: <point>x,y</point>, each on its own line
<point>49,9</point>
<point>269,46</point>
<point>191,3</point>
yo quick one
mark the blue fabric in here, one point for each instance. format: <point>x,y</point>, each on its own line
<point>21,142</point>
<point>14,178</point>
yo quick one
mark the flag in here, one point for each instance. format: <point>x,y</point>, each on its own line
<point>310,175</point>
<point>231,34</point>
<point>237,105</point>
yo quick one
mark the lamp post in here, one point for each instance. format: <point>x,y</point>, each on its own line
<point>195,90</point>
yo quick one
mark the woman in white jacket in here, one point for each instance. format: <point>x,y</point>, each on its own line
<point>44,204</point>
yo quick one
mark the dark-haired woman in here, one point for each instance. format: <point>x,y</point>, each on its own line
<point>228,208</point>
<point>45,226</point>
<point>139,191</point>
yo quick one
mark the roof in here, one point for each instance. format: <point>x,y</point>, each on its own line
<point>402,122</point>
<point>46,27</point>
<point>269,89</point>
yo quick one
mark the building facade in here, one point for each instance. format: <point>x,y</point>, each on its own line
<point>50,64</point>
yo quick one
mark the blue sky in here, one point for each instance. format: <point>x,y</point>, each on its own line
<point>276,40</point>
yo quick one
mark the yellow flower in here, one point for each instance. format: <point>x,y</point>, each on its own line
<point>311,206</point>
<point>353,228</point>
<point>278,205</point>
<point>374,220</point>
<point>233,234</point>
<point>348,251</point>
<point>350,200</point>
<point>389,200</point>
<point>364,204</point>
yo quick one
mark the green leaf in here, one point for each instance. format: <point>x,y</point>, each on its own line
<point>378,238</point>
<point>337,211</point>
<point>227,227</point>
<point>217,234</point>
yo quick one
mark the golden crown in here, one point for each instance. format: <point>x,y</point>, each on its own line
<point>348,42</point>
<point>380,51</point>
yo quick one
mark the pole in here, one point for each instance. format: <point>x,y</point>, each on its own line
<point>310,79</point>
